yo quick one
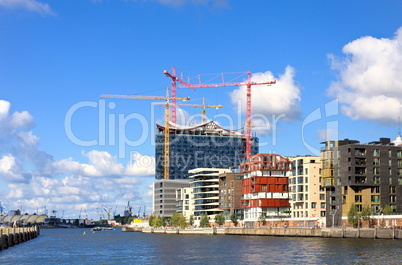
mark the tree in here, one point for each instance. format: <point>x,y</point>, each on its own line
<point>353,216</point>
<point>152,220</point>
<point>204,222</point>
<point>220,219</point>
<point>387,209</point>
<point>191,221</point>
<point>366,213</point>
<point>158,222</point>
<point>182,222</point>
<point>233,218</point>
<point>176,219</point>
<point>262,218</point>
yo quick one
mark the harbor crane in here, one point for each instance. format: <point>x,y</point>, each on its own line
<point>224,81</point>
<point>167,99</point>
<point>108,211</point>
<point>203,106</point>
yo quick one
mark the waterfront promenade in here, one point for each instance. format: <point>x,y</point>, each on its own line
<point>13,236</point>
<point>342,232</point>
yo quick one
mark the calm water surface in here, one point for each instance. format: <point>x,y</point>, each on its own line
<point>70,246</point>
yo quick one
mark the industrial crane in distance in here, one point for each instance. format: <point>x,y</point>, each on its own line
<point>167,123</point>
<point>224,82</point>
<point>203,106</point>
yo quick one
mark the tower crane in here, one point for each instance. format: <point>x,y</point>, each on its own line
<point>203,106</point>
<point>224,82</point>
<point>167,123</point>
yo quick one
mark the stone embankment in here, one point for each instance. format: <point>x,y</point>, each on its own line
<point>13,236</point>
<point>343,232</point>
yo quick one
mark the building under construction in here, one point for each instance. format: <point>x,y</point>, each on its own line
<point>206,145</point>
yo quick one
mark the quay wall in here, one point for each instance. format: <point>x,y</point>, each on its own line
<point>319,232</point>
<point>12,236</point>
<point>344,232</point>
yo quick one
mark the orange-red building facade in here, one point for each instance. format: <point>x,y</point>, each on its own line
<point>265,186</point>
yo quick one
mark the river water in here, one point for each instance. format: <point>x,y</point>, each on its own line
<point>71,246</point>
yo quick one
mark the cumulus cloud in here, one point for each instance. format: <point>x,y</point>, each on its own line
<point>30,5</point>
<point>282,98</point>
<point>370,80</point>
<point>33,179</point>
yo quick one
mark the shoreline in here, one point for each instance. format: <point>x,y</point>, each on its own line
<point>342,232</point>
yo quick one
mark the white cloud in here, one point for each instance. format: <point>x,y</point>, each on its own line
<point>328,134</point>
<point>33,179</point>
<point>9,169</point>
<point>370,79</point>
<point>31,5</point>
<point>282,98</point>
<point>4,109</point>
<point>141,165</point>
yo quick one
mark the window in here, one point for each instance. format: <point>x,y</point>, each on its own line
<point>322,197</point>
<point>376,170</point>
<point>392,198</point>
<point>392,189</point>
<point>322,213</point>
<point>399,162</point>
<point>359,207</point>
<point>375,198</point>
<point>323,205</point>
<point>390,181</point>
<point>376,161</point>
<point>358,198</point>
<point>375,189</point>
<point>399,153</point>
<point>390,172</point>
<point>376,152</point>
<point>313,205</point>
<point>389,153</point>
<point>376,180</point>
<point>399,181</point>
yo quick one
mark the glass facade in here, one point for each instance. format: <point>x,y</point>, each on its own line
<point>200,151</point>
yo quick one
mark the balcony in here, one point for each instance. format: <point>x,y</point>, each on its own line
<point>327,182</point>
<point>360,180</point>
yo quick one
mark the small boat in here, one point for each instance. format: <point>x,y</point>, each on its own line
<point>96,228</point>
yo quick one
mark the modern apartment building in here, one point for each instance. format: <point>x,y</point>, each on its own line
<point>205,185</point>
<point>204,146</point>
<point>364,175</point>
<point>164,195</point>
<point>185,202</point>
<point>265,187</point>
<point>230,193</point>
<point>307,195</point>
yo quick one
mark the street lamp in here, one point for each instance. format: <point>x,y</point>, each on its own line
<point>333,217</point>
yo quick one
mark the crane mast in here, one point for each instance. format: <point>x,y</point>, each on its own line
<point>224,82</point>
<point>166,144</point>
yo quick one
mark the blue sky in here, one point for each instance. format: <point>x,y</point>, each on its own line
<point>337,66</point>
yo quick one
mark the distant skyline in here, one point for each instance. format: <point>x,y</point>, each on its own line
<point>337,67</point>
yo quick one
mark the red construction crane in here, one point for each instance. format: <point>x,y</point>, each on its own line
<point>224,82</point>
